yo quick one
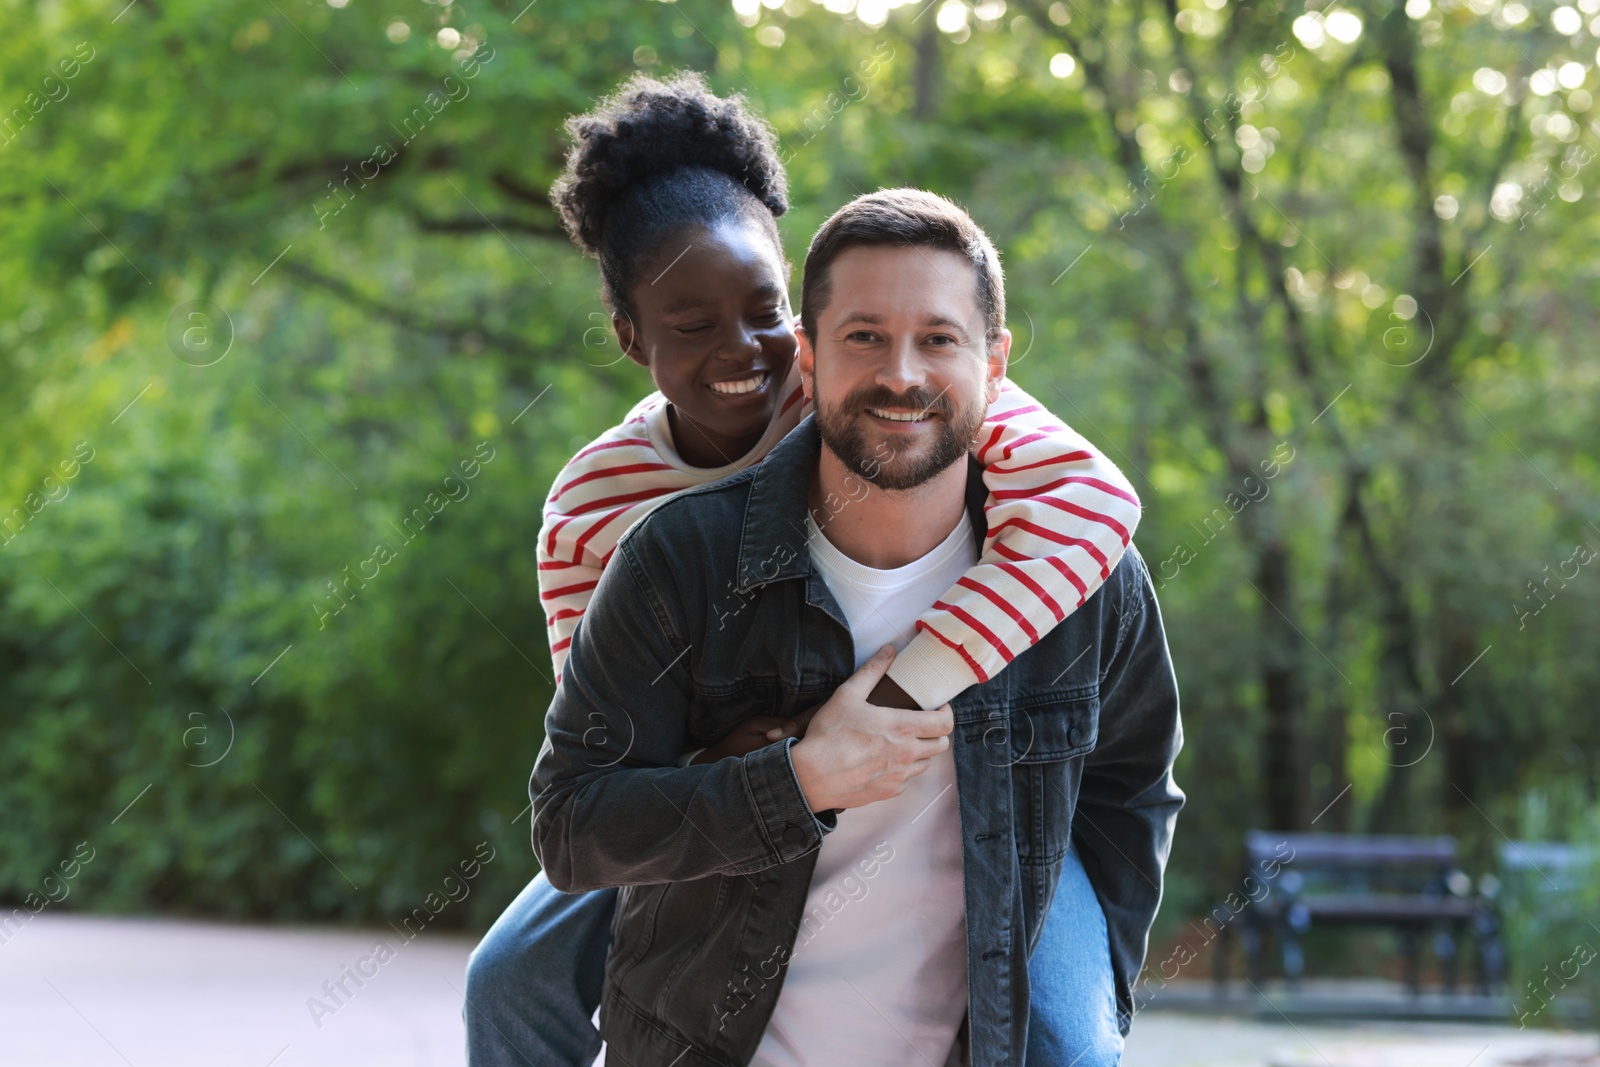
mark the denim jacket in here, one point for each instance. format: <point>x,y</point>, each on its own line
<point>709,612</point>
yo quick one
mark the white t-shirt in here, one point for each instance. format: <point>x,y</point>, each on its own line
<point>879,969</point>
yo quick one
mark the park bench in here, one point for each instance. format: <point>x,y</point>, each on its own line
<point>1297,882</point>
<point>1552,870</point>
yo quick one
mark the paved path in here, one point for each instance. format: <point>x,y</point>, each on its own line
<point>85,991</point>
<point>1167,1040</point>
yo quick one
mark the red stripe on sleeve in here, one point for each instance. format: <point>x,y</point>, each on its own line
<point>1065,457</point>
<point>1072,509</point>
<point>1043,491</point>
<point>972,664</point>
<point>609,472</point>
<point>581,587</point>
<point>555,530</point>
<point>1059,538</point>
<point>622,443</point>
<point>1043,434</point>
<point>1002,416</point>
<point>977,627</point>
<point>1003,604</point>
<point>1035,588</point>
<point>994,439</point>
<point>1067,572</point>
<point>1093,516</point>
<point>597,505</point>
<point>583,542</point>
<point>620,498</point>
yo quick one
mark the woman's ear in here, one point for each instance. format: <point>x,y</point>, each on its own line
<point>628,338</point>
<point>805,362</point>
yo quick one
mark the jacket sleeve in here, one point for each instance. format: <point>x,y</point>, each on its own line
<point>1127,799</point>
<point>611,805</point>
<point>1060,515</point>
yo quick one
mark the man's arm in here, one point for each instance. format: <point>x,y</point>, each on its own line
<point>1127,799</point>
<point>610,804</point>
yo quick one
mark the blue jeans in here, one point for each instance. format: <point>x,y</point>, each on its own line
<point>1072,1008</point>
<point>534,981</point>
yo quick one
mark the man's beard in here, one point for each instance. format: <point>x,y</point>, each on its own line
<point>884,466</point>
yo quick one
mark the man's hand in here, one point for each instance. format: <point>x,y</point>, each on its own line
<point>855,752</point>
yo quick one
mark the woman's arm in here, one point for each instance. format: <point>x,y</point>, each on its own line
<point>1060,516</point>
<point>599,494</point>
<point>612,804</point>
<point>602,492</point>
<point>605,489</point>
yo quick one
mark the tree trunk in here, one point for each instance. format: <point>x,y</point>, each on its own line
<point>1333,733</point>
<point>1282,691</point>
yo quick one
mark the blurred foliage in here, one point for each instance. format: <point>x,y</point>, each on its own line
<point>1549,898</point>
<point>1358,236</point>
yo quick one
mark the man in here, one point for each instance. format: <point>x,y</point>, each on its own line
<point>871,892</point>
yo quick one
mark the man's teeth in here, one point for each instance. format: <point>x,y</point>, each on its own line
<point>899,416</point>
<point>743,385</point>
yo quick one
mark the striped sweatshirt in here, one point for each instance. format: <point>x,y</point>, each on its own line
<point>1060,515</point>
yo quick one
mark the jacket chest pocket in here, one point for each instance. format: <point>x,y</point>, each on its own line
<point>1048,736</point>
<point>777,657</point>
<point>722,704</point>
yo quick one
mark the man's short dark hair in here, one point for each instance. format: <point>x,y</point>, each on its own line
<point>911,217</point>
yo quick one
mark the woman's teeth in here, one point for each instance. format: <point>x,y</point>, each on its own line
<point>743,385</point>
<point>900,416</point>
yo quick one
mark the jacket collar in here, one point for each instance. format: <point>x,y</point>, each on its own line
<point>772,543</point>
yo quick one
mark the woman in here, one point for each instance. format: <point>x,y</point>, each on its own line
<point>676,192</point>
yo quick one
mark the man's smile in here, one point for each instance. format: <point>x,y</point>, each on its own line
<point>901,416</point>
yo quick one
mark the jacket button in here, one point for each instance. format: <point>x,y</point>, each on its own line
<point>769,890</point>
<point>1075,735</point>
<point>794,836</point>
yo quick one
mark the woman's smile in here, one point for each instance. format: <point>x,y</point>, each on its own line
<point>748,387</point>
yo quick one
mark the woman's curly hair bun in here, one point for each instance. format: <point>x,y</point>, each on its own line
<point>651,127</point>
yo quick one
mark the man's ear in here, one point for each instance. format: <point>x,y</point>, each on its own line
<point>999,354</point>
<point>806,362</point>
<point>628,338</point>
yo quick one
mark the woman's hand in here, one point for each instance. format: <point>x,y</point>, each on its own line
<point>757,731</point>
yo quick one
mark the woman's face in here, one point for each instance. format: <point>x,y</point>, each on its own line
<point>712,323</point>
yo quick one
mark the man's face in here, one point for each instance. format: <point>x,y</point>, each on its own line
<point>899,371</point>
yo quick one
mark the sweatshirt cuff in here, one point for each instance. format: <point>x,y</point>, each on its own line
<point>930,671</point>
